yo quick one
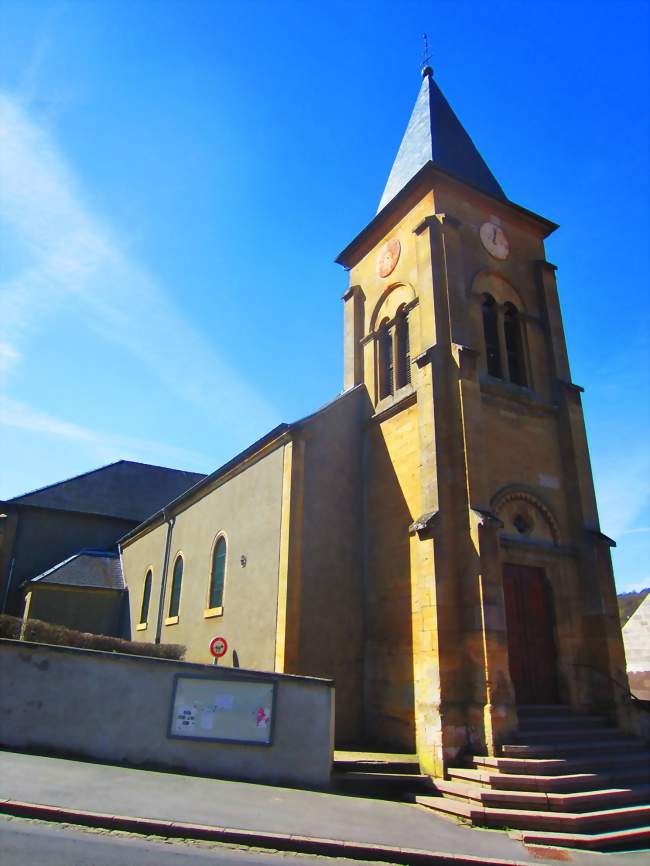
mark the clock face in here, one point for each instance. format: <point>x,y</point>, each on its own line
<point>494,240</point>
<point>388,256</point>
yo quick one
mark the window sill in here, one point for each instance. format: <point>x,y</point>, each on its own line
<point>171,620</point>
<point>141,626</point>
<point>210,612</point>
<point>521,394</point>
<point>401,399</point>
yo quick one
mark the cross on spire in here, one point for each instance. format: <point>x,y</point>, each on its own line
<point>426,68</point>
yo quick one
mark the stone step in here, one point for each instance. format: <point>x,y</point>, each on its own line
<point>449,806</point>
<point>563,748</point>
<point>527,710</point>
<point>563,722</point>
<point>609,761</point>
<point>532,736</point>
<point>599,821</point>
<point>376,762</point>
<point>381,784</point>
<point>551,784</point>
<point>521,782</point>
<point>580,801</point>
<point>623,840</point>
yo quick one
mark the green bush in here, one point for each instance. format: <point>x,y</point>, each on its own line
<point>9,626</point>
<point>46,632</point>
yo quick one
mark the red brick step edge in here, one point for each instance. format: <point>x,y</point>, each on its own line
<point>252,838</point>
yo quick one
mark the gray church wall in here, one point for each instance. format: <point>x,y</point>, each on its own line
<point>246,509</point>
<point>331,611</point>
<point>45,537</point>
<point>117,708</point>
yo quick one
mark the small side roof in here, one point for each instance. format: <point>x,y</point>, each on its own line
<point>124,489</point>
<point>95,569</point>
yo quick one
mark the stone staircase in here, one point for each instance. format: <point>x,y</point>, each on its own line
<point>566,780</point>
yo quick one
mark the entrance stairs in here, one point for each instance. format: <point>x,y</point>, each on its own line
<point>565,780</point>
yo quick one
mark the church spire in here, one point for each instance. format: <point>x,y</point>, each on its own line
<point>434,134</point>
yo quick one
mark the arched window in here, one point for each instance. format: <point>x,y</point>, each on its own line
<point>514,347</point>
<point>402,349</point>
<point>385,361</point>
<point>217,574</point>
<point>491,335</point>
<point>146,597</point>
<point>177,580</point>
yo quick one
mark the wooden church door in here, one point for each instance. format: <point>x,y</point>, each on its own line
<point>531,646</point>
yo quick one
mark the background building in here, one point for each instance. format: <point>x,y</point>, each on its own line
<point>45,527</point>
<point>636,637</point>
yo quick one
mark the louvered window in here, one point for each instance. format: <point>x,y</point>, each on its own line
<point>514,345</point>
<point>403,365</point>
<point>385,361</point>
<point>491,335</point>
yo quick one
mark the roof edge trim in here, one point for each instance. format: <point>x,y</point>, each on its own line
<point>160,515</point>
<point>430,169</point>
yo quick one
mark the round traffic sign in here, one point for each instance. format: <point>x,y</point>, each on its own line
<point>218,647</point>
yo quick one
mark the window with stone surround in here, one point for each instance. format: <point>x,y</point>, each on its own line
<point>146,598</point>
<point>177,581</point>
<point>217,574</point>
<point>393,353</point>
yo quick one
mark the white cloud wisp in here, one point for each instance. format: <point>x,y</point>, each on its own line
<point>75,266</point>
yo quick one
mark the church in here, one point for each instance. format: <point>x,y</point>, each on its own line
<point>429,539</point>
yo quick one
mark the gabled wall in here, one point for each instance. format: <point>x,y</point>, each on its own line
<point>327,629</point>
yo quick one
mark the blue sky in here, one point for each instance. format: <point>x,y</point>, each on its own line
<point>177,177</point>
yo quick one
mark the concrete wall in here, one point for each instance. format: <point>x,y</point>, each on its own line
<point>246,508</point>
<point>115,708</point>
<point>99,611</point>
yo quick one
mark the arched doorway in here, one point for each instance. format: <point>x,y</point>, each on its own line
<point>532,657</point>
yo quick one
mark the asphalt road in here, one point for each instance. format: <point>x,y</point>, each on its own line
<point>39,843</point>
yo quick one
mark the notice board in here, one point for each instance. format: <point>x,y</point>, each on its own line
<point>232,710</point>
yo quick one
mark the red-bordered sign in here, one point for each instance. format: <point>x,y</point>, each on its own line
<point>218,647</point>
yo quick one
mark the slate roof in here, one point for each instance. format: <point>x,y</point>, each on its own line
<point>124,489</point>
<point>88,568</point>
<point>434,134</point>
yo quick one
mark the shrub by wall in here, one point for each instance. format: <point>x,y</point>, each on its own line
<point>46,632</point>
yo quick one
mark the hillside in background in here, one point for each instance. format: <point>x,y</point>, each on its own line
<point>629,601</point>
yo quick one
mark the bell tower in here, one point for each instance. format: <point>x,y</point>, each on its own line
<point>487,581</point>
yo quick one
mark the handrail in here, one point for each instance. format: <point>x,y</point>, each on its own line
<point>645,704</point>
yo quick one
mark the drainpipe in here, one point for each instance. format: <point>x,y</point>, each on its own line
<point>8,586</point>
<point>169,520</point>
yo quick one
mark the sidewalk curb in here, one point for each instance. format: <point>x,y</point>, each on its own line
<point>251,838</point>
